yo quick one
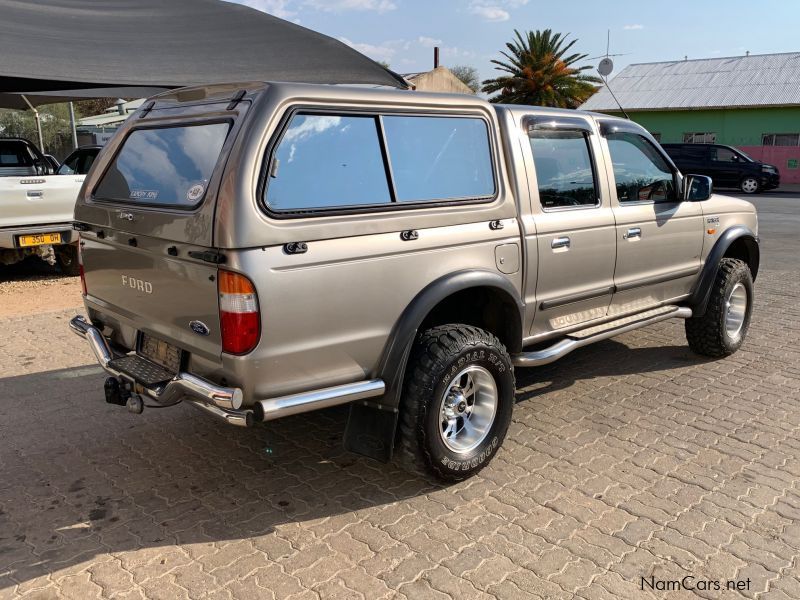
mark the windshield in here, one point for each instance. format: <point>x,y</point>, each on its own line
<point>744,155</point>
<point>167,166</point>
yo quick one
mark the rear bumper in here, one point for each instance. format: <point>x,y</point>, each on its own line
<point>222,402</point>
<point>9,235</point>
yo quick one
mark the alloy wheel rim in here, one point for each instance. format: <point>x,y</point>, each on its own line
<point>750,185</point>
<point>735,311</point>
<point>467,409</point>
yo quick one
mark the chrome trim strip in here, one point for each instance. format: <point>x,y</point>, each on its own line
<point>274,408</point>
<point>565,346</point>
<point>573,298</point>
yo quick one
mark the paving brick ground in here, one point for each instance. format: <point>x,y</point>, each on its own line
<point>632,458</point>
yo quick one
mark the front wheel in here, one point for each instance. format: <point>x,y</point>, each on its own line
<point>722,329</point>
<point>458,397</point>
<point>749,185</point>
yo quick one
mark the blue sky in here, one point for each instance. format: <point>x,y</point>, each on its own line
<point>472,32</point>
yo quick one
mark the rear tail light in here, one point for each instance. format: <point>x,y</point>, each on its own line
<point>80,266</point>
<point>239,318</point>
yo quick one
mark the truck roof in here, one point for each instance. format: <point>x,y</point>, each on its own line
<point>379,95</point>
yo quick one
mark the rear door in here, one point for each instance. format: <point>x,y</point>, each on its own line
<point>575,238</point>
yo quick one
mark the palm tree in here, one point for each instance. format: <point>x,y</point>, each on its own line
<point>539,73</point>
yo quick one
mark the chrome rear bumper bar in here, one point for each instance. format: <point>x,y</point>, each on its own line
<point>222,402</point>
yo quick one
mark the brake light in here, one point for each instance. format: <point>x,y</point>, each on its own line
<point>80,266</point>
<point>240,322</point>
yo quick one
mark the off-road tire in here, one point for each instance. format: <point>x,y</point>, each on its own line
<point>67,259</point>
<point>706,333</point>
<point>438,355</point>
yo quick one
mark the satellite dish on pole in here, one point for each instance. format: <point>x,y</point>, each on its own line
<point>605,67</point>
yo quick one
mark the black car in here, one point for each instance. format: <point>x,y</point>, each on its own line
<point>79,161</point>
<point>727,166</point>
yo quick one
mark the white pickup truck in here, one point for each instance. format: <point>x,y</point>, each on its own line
<point>36,205</point>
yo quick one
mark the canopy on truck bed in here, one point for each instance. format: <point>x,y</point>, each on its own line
<point>56,46</point>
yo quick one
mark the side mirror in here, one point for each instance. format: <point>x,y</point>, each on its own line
<point>697,188</point>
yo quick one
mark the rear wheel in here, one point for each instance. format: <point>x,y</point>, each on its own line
<point>723,327</point>
<point>749,185</point>
<point>67,259</point>
<point>458,398</point>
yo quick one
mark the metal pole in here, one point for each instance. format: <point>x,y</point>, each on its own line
<point>72,126</point>
<point>38,123</point>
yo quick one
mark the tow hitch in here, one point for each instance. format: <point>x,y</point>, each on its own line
<point>121,395</point>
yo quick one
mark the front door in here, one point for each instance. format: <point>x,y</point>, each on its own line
<point>575,235</point>
<point>659,237</point>
<point>725,166</point>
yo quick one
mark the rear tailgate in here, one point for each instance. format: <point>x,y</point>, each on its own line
<point>146,213</point>
<point>38,200</point>
<point>143,289</point>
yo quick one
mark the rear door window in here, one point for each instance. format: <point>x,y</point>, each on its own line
<point>167,166</point>
<point>564,171</point>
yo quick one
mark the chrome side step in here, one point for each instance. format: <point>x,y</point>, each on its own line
<point>590,335</point>
<point>275,408</point>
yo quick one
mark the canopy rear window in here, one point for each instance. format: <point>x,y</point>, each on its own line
<point>167,166</point>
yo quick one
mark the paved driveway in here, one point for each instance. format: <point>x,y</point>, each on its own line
<point>630,459</point>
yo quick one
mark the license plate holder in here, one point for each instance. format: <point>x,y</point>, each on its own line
<point>160,352</point>
<point>38,239</point>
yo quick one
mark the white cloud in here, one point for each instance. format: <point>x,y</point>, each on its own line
<point>286,9</point>
<point>633,27</point>
<point>345,5</point>
<point>427,42</point>
<point>277,8</point>
<point>383,51</point>
<point>494,14</point>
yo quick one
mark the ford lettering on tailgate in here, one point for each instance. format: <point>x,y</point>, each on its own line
<point>137,284</point>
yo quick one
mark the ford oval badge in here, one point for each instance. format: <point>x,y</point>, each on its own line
<point>199,327</point>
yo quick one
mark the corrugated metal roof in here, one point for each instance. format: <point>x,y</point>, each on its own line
<point>738,81</point>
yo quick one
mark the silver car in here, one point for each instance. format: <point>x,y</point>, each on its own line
<point>261,250</point>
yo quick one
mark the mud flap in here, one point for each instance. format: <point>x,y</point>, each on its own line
<point>370,430</point>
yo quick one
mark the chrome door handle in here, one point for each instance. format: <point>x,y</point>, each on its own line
<point>560,242</point>
<point>35,193</point>
<point>633,232</point>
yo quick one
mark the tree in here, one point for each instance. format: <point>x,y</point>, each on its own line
<point>540,72</point>
<point>468,76</point>
<point>22,123</point>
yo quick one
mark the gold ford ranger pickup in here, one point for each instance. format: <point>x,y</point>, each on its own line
<point>266,249</point>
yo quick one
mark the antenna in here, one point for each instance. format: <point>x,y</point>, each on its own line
<point>604,69</point>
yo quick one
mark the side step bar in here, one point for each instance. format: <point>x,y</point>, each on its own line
<point>609,330</point>
<point>274,408</point>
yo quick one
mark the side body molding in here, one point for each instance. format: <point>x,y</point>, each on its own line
<point>702,289</point>
<point>371,425</point>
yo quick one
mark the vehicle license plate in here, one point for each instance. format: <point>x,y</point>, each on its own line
<point>39,239</point>
<point>160,352</point>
